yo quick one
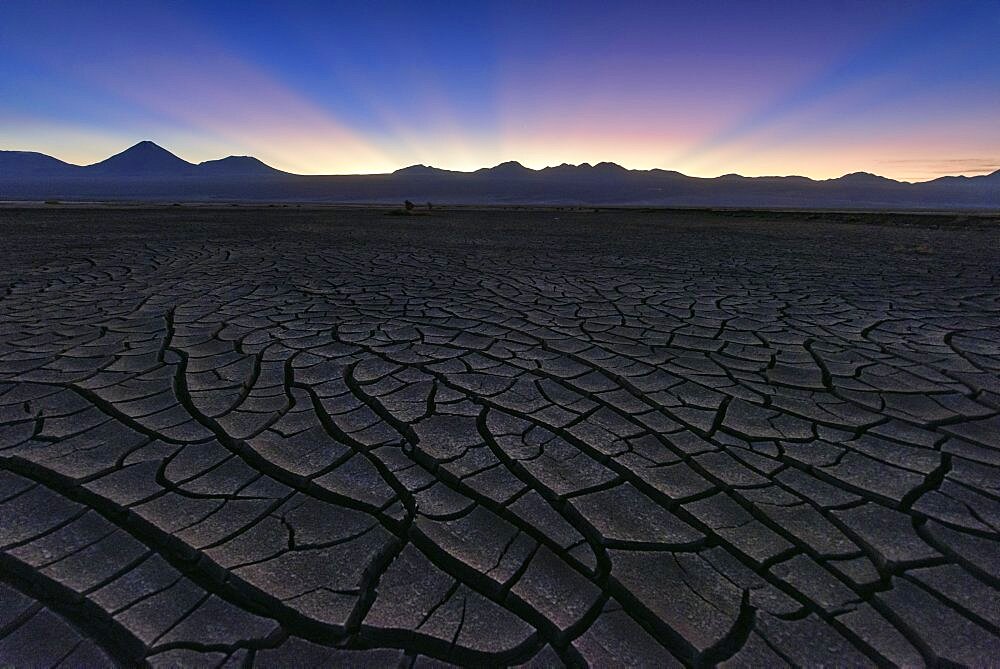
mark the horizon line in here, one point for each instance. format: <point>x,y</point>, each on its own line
<point>515,164</point>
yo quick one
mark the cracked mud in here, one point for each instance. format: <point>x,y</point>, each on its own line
<point>281,437</point>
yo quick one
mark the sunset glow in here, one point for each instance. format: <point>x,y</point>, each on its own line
<point>909,90</point>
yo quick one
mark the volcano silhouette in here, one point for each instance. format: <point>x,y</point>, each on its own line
<point>143,159</point>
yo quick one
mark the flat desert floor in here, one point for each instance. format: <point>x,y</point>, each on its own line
<point>320,437</point>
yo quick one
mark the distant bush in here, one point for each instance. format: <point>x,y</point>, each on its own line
<point>53,202</point>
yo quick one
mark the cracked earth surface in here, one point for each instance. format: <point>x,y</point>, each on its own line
<point>292,438</point>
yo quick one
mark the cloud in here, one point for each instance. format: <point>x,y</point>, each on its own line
<point>946,166</point>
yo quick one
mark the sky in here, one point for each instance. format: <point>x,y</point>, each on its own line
<point>905,89</point>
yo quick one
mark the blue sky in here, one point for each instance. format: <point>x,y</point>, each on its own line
<point>905,89</point>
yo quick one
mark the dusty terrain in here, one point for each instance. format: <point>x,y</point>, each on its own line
<point>295,437</point>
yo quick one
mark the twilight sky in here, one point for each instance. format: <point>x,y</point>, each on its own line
<point>907,89</point>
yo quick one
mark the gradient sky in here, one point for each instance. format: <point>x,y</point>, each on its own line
<point>910,90</point>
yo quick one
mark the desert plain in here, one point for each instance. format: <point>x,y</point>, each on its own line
<point>332,436</point>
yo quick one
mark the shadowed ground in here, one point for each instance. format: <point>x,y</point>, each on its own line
<point>293,437</point>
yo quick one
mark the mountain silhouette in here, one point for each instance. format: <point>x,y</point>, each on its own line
<point>237,166</point>
<point>609,168</point>
<point>421,170</point>
<point>993,177</point>
<point>14,163</point>
<point>863,178</point>
<point>511,168</point>
<point>143,159</point>
<point>149,172</point>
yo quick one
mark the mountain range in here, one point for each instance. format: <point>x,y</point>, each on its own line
<point>149,172</point>
<point>143,160</point>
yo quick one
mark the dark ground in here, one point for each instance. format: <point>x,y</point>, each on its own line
<point>296,437</point>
